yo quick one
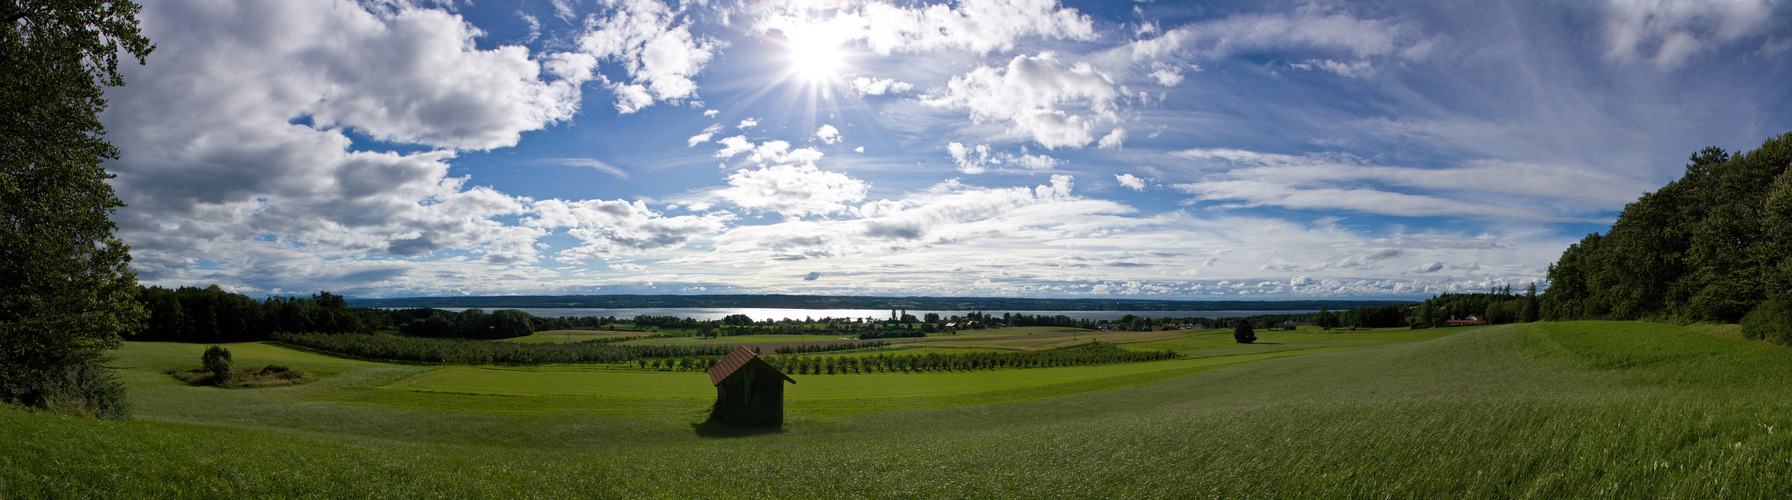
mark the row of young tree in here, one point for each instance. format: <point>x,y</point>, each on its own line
<point>1714,245</point>
<point>462,351</point>
<point>815,348</point>
<point>1094,353</point>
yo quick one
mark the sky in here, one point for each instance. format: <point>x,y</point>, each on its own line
<point>1014,148</point>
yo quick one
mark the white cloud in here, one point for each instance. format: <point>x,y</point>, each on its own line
<point>1165,74</point>
<point>793,190</point>
<point>880,86</point>
<point>592,163</point>
<point>970,159</point>
<point>239,149</point>
<point>1030,94</point>
<point>1128,180</point>
<point>1309,27</point>
<point>827,134</point>
<point>656,50</point>
<point>859,149</point>
<point>1677,31</point>
<point>617,228</point>
<point>979,26</point>
<point>732,146</point>
<point>976,159</point>
<point>703,137</point>
<point>1113,140</point>
<point>1268,176</point>
<point>711,113</point>
<point>1429,267</point>
<point>747,123</point>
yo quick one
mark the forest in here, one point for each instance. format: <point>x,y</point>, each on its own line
<point>1711,246</point>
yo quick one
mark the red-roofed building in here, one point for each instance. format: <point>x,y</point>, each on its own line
<point>1471,320</point>
<point>749,391</point>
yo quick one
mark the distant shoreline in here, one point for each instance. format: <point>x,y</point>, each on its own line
<point>860,302</point>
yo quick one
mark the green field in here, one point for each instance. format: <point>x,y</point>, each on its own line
<point>1580,409</point>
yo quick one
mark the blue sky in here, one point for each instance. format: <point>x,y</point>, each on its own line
<point>1174,150</point>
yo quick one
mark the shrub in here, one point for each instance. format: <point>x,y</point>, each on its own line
<point>217,360</point>
<point>1772,320</point>
<point>84,389</point>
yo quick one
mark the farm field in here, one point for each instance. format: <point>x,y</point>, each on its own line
<point>1576,409</point>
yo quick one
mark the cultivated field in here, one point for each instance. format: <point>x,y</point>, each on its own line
<point>1582,409</point>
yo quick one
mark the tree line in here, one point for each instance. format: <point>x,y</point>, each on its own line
<point>466,351</point>
<point>1093,353</point>
<point>1710,246</point>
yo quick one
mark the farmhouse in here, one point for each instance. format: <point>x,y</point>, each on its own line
<point>749,391</point>
<point>1471,320</point>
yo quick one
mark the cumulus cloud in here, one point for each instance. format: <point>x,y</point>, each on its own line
<point>880,86</point>
<point>1668,34</point>
<point>1039,98</point>
<point>827,134</point>
<point>970,159</point>
<point>1113,140</point>
<point>978,158</point>
<point>1128,180</point>
<point>1429,267</point>
<point>793,190</point>
<point>747,123</point>
<point>653,46</point>
<point>239,146</point>
<point>616,228</point>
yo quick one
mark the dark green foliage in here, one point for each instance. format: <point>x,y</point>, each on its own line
<point>1772,321</point>
<point>1325,319</point>
<point>204,315</point>
<point>1709,246</point>
<point>814,348</point>
<point>1093,353</point>
<point>217,360</point>
<point>395,348</point>
<point>86,389</point>
<point>67,293</point>
<point>1242,332</point>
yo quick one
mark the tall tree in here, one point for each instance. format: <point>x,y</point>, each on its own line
<point>66,291</point>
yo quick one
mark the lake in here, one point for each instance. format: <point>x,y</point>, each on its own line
<point>760,314</point>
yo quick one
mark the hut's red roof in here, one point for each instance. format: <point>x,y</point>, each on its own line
<point>741,357</point>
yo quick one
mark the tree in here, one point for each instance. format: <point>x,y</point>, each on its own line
<point>217,360</point>
<point>66,291</point>
<point>1242,332</point>
<point>1325,319</point>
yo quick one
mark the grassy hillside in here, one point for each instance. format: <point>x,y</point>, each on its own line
<point>1547,410</point>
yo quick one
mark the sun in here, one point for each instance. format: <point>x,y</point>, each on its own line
<point>816,60</point>
<point>814,51</point>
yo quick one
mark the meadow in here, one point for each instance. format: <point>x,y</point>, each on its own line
<point>1572,409</point>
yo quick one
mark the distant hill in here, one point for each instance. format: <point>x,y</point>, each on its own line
<point>838,302</point>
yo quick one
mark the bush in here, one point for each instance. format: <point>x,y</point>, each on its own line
<point>217,360</point>
<point>1772,321</point>
<point>80,389</point>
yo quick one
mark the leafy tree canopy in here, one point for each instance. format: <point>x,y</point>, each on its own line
<point>1712,245</point>
<point>66,291</point>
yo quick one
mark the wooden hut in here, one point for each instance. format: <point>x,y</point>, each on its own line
<point>749,391</point>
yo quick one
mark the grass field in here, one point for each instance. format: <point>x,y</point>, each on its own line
<point>1581,409</point>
